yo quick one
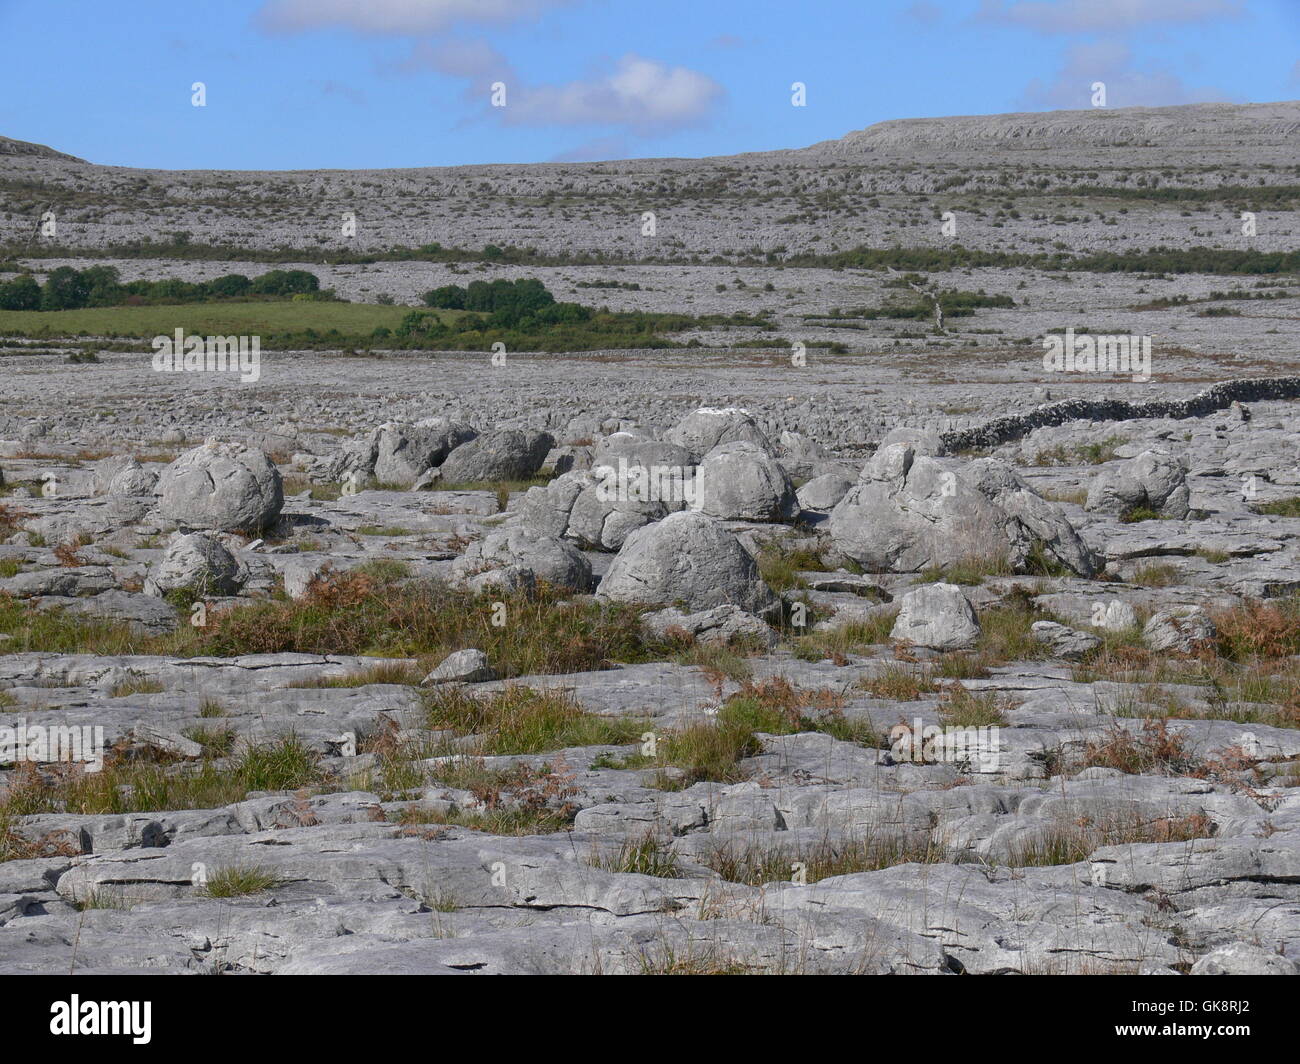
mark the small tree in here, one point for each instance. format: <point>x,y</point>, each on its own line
<point>22,293</point>
<point>65,289</point>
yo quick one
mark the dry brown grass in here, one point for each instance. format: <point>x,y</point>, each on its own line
<point>1152,751</point>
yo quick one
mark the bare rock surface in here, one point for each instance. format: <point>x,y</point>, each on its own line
<point>828,635</point>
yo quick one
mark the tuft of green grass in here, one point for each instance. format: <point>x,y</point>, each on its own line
<point>1061,843</point>
<point>137,786</point>
<point>521,800</point>
<point>900,682</point>
<point>1156,576</point>
<point>327,492</point>
<point>756,863</point>
<point>216,742</point>
<point>1006,632</point>
<point>970,571</point>
<point>838,643</point>
<point>960,708</point>
<point>237,881</point>
<point>712,749</point>
<point>503,489</point>
<point>135,686</point>
<point>373,614</point>
<point>1280,507</point>
<point>520,720</point>
<point>1081,454</point>
<point>102,899</point>
<point>440,901</point>
<point>717,661</point>
<point>644,855</point>
<point>1135,514</point>
<point>780,568</point>
<point>1077,497</point>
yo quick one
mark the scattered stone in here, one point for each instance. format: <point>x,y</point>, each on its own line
<point>721,625</point>
<point>464,666</point>
<point>1066,642</point>
<point>936,616</point>
<point>199,563</point>
<point>1153,480</point>
<point>1183,629</point>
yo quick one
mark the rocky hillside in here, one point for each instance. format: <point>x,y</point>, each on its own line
<point>9,146</point>
<point>1201,125</point>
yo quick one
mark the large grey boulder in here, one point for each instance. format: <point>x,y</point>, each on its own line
<point>548,557</point>
<point>504,454</point>
<point>798,455</point>
<point>738,481</point>
<point>566,459</point>
<point>909,511</point>
<point>936,616</point>
<point>122,475</point>
<point>1044,520</point>
<point>687,558</point>
<point>598,508</point>
<point>1153,480</point>
<point>822,494</point>
<point>702,430</point>
<point>221,487</point>
<point>133,480</point>
<point>639,450</point>
<point>196,562</point>
<point>403,452</point>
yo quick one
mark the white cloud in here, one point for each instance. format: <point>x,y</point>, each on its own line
<point>1092,16</point>
<point>1127,85</point>
<point>398,17</point>
<point>471,59</point>
<point>640,94</point>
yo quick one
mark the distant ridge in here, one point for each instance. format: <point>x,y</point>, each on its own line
<point>9,146</point>
<point>1219,131</point>
<point>1216,125</point>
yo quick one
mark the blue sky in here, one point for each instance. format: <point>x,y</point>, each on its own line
<point>297,84</point>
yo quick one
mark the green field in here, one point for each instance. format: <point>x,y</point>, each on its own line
<point>328,325</point>
<point>210,319</point>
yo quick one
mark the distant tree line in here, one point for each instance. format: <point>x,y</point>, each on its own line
<point>522,304</point>
<point>67,288</point>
